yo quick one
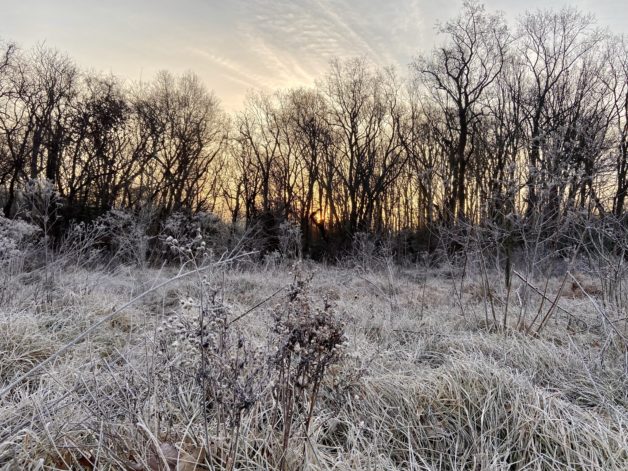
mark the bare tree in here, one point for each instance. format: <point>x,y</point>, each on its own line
<point>313,142</point>
<point>366,150</point>
<point>617,84</point>
<point>7,160</point>
<point>99,159</point>
<point>553,45</point>
<point>50,87</point>
<point>456,76</point>
<point>187,131</point>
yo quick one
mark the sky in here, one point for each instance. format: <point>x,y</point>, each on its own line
<point>241,45</point>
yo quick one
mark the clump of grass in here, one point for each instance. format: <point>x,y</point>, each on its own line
<point>471,414</point>
<point>22,346</point>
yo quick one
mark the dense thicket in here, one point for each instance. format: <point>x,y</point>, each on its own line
<point>499,125</point>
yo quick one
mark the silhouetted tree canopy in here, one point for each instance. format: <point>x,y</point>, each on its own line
<point>496,124</point>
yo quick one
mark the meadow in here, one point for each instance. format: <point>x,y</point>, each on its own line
<point>236,362</point>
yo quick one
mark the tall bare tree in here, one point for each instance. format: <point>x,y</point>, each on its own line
<point>553,46</point>
<point>456,76</point>
<point>187,131</point>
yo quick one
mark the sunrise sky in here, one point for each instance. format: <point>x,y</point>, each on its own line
<point>239,45</point>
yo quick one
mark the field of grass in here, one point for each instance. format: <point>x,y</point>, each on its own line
<point>410,371</point>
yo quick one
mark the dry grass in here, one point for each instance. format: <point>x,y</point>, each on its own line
<point>423,382</point>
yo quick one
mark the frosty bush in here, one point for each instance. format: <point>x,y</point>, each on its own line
<point>16,238</point>
<point>42,202</point>
<point>127,233</point>
<point>203,230</point>
<point>370,252</point>
<point>290,240</point>
<point>272,260</point>
<point>82,244</point>
<point>15,235</point>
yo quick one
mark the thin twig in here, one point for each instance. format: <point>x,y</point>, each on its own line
<point>597,308</point>
<point>538,291</point>
<point>246,313</point>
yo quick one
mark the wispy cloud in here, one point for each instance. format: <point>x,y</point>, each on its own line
<point>233,70</point>
<point>237,45</point>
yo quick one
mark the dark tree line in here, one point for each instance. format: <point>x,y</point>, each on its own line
<point>525,122</point>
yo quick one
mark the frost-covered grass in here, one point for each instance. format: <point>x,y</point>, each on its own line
<point>423,381</point>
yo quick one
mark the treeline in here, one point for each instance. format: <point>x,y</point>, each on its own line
<point>500,125</point>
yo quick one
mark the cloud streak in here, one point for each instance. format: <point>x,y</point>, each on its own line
<point>240,45</point>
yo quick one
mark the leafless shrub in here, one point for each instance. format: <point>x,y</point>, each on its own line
<point>17,243</point>
<point>128,234</point>
<point>290,240</point>
<point>239,374</point>
<point>190,230</point>
<point>271,260</point>
<point>308,341</point>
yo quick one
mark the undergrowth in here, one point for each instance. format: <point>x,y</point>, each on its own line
<point>226,364</point>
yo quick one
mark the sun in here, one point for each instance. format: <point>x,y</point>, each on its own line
<point>319,216</point>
